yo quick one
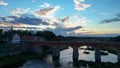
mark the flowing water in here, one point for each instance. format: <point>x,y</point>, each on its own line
<point>66,59</point>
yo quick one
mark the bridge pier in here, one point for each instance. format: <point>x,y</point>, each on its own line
<point>56,56</point>
<point>75,56</point>
<point>97,55</point>
<point>118,56</point>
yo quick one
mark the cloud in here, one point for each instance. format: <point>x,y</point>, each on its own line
<point>45,5</point>
<point>73,21</point>
<point>69,24</point>
<point>18,11</point>
<point>44,18</point>
<point>80,5</point>
<point>83,31</point>
<point>22,20</point>
<point>47,11</point>
<point>116,19</point>
<point>3,3</point>
<point>63,26</point>
<point>18,26</point>
<point>66,19</point>
<point>72,28</point>
<point>118,15</point>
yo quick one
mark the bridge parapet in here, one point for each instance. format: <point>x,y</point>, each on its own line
<point>76,44</point>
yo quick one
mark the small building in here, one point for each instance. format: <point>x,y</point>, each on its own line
<point>16,39</point>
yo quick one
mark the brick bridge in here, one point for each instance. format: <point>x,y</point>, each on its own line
<point>75,45</point>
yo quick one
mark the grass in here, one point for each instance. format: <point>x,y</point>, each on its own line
<point>98,65</point>
<point>63,47</point>
<point>111,50</point>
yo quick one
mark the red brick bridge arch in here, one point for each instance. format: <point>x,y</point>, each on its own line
<point>75,45</point>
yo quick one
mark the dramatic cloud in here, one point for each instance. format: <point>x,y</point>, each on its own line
<point>23,19</point>
<point>43,18</point>
<point>3,3</point>
<point>116,19</point>
<point>65,25</point>
<point>80,5</point>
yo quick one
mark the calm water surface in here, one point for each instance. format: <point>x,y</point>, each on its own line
<point>66,59</point>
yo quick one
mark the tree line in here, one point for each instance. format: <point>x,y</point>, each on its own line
<point>50,36</point>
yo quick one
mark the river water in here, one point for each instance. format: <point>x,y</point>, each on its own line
<point>66,59</point>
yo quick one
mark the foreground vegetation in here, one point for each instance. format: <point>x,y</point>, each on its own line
<point>17,59</point>
<point>98,65</point>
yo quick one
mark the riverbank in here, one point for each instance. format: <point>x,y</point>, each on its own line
<point>14,56</point>
<point>17,60</point>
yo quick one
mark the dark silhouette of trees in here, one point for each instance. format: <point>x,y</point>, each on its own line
<point>49,35</point>
<point>116,39</point>
<point>1,34</point>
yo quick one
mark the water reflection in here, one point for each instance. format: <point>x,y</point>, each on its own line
<point>66,59</point>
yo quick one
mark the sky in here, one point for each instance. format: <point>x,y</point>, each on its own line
<point>63,17</point>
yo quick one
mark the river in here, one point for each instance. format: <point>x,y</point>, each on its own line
<point>66,59</point>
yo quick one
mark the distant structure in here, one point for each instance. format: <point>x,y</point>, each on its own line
<point>16,39</point>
